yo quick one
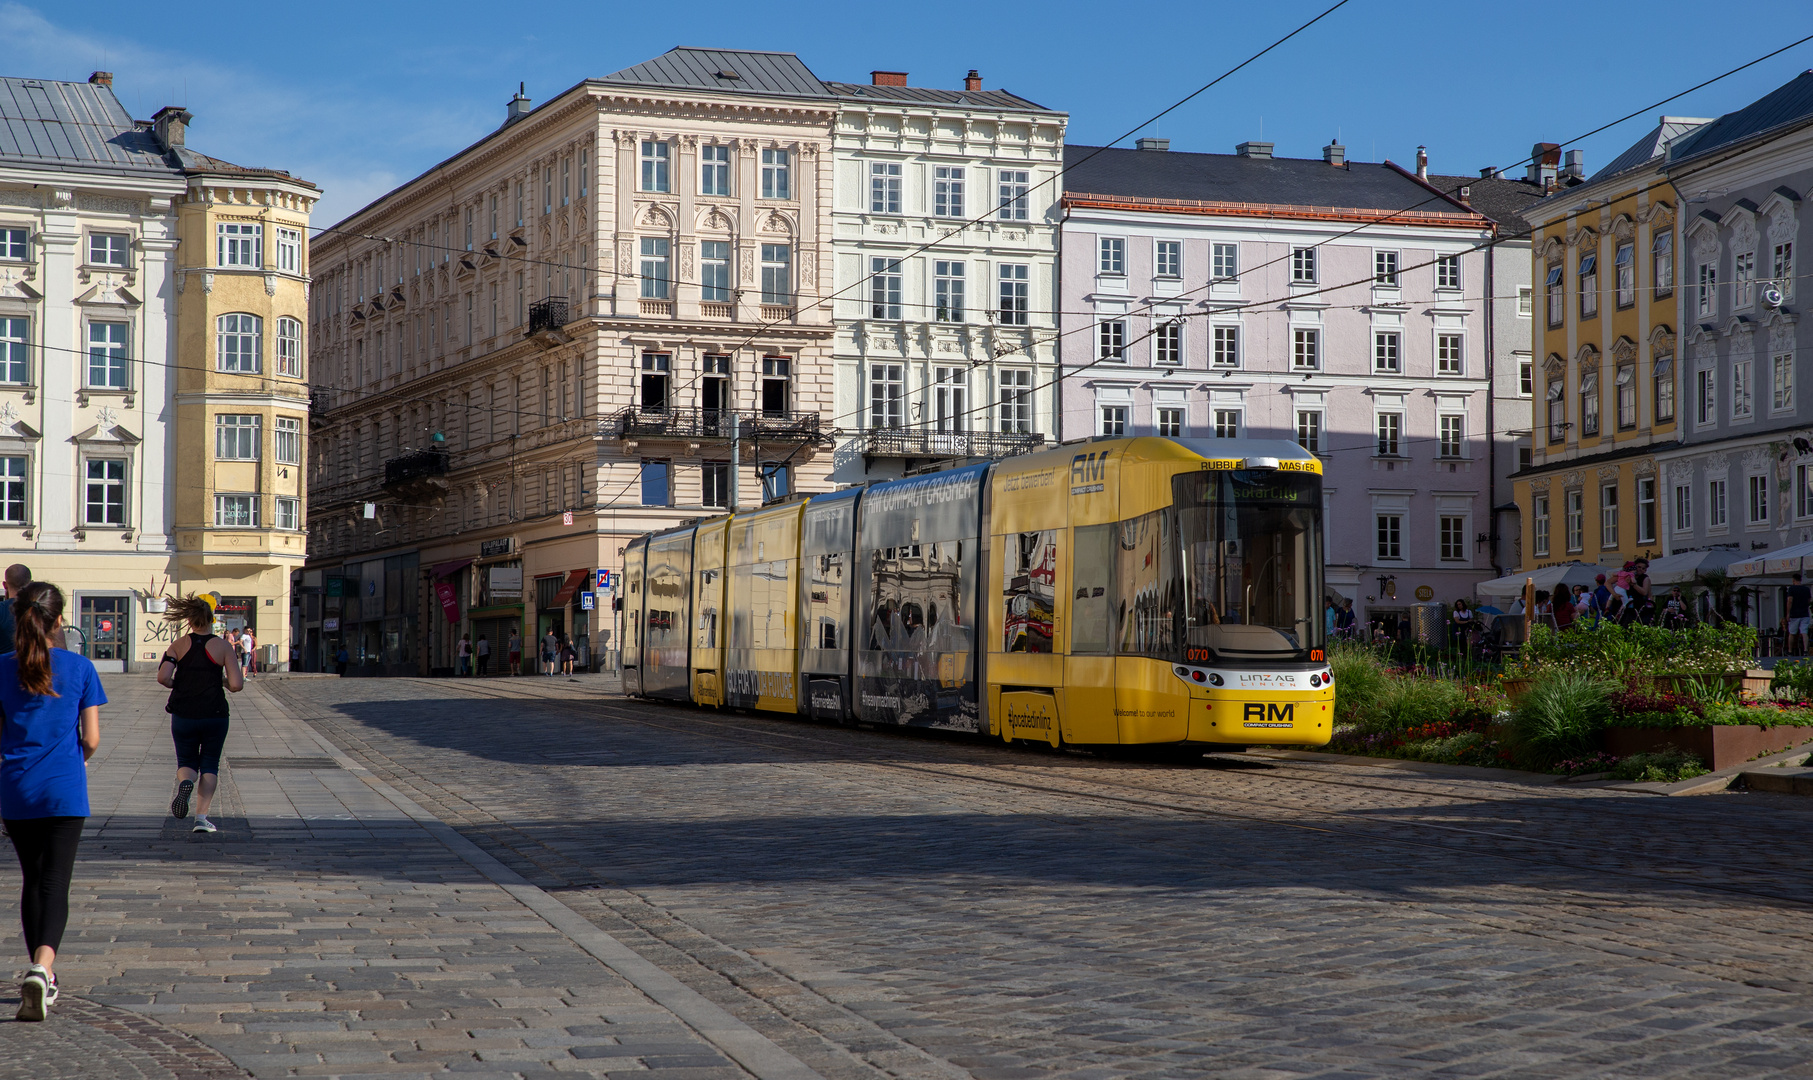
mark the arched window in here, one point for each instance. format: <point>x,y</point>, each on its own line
<point>240,344</point>
<point>289,347</point>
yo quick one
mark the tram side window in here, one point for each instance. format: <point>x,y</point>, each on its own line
<point>1092,562</point>
<point>827,602</point>
<point>1029,574</point>
<point>1145,580</point>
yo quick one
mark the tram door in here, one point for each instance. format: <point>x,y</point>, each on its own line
<point>827,580</point>
<point>667,616</point>
<point>632,592</point>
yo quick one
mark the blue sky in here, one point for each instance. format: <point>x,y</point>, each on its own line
<point>358,97</point>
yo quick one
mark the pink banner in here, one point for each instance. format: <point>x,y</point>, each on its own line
<point>450,603</point>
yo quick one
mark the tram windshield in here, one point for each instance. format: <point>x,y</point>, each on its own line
<point>1251,547</point>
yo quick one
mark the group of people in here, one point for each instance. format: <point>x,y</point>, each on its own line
<point>558,654</point>
<point>50,727</point>
<point>1625,596</point>
<point>1338,620</point>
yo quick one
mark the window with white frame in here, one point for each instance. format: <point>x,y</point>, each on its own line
<point>286,440</point>
<point>1683,508</point>
<point>1167,343</point>
<point>1589,284</point>
<point>15,349</point>
<point>289,512</point>
<point>1803,491</point>
<point>714,271</point>
<point>1113,420</point>
<point>887,395</point>
<point>1589,402</point>
<point>950,398</point>
<point>657,278</point>
<point>109,249</point>
<point>1013,185</point>
<point>1782,268</point>
<point>1557,408</point>
<point>1646,510</point>
<point>1574,503</point>
<point>1743,279</point>
<point>1227,423</point>
<point>1526,376</point>
<point>1624,385</point>
<point>1539,524</point>
<point>1608,515</point>
<point>1625,264</point>
<point>1226,347</point>
<point>1708,410</point>
<point>566,186</point>
<point>15,244</point>
<point>1742,390</point>
<point>1224,262</point>
<point>585,172</point>
<point>1014,410</point>
<point>1303,266</point>
<point>1555,291</point>
<point>1781,382</point>
<point>1169,421</point>
<point>1391,434</point>
<point>1453,532</point>
<point>777,275</point>
<point>1447,272</point>
<point>1451,432</point>
<point>1706,290</point>
<point>1664,377</point>
<point>714,170</point>
<point>235,511</point>
<point>1715,504</point>
<point>1112,251</point>
<point>104,500</point>
<point>884,187</point>
<point>1390,533</point>
<point>108,344</point>
<point>237,436</point>
<point>1167,259</point>
<point>1014,291</point>
<point>1309,430</point>
<point>1111,340</point>
<point>289,251</point>
<point>1386,352</point>
<point>1306,349</point>
<point>1662,261</point>
<point>947,291</point>
<point>947,191</point>
<point>289,346</point>
<point>243,245</point>
<point>12,490</point>
<point>1526,301</point>
<point>547,175</point>
<point>884,288</point>
<point>777,174</point>
<point>1385,269</point>
<point>654,169</point>
<point>1759,500</point>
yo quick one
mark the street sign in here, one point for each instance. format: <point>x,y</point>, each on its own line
<point>604,579</point>
<point>491,548</point>
<point>330,624</point>
<point>588,601</point>
<point>1425,593</point>
<point>566,517</point>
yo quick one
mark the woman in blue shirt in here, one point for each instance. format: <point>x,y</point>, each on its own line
<point>52,702</point>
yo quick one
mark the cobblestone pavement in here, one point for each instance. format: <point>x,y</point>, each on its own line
<point>883,904</point>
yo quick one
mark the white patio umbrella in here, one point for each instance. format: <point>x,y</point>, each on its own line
<point>1684,567</point>
<point>1549,578</point>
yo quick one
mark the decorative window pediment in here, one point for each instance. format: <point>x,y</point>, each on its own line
<point>1624,350</point>
<point>1623,227</point>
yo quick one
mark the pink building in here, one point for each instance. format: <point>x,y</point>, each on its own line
<point>1341,304</point>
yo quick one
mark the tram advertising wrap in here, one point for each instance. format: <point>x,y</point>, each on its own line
<point>1112,591</point>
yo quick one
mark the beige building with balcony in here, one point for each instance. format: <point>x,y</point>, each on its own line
<point>600,319</point>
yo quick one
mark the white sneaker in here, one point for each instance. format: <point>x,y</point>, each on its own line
<point>202,824</point>
<point>36,994</point>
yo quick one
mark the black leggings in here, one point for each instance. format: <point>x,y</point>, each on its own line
<point>47,855</point>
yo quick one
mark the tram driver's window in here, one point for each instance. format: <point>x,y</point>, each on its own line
<point>1093,563</point>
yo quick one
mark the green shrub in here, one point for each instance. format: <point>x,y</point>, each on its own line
<point>1454,750</point>
<point>1560,717</point>
<point>1407,701</point>
<point>1618,652</point>
<point>1793,681</point>
<point>1663,767</point>
<point>1360,680</point>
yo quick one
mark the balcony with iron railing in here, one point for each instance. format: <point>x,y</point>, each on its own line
<point>549,313</point>
<point>643,423</point>
<point>415,467</point>
<point>917,442</point>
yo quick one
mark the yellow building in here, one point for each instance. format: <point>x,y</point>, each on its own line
<point>241,392</point>
<point>1604,394</point>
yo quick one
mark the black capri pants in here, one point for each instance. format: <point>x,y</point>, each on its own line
<point>47,856</point>
<point>198,741</point>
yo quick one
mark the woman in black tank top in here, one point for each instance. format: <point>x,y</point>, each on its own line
<point>199,669</point>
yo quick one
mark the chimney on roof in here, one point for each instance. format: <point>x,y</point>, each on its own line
<point>171,124</point>
<point>1422,163</point>
<point>887,78</point>
<point>1576,165</point>
<point>1545,158</point>
<point>1466,194</point>
<point>1334,153</point>
<point>518,107</point>
<point>1254,149</point>
<point>1486,173</point>
<point>102,78</point>
<point>1149,143</point>
<point>972,81</point>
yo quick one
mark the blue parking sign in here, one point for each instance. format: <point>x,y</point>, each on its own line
<point>588,601</point>
<point>604,579</point>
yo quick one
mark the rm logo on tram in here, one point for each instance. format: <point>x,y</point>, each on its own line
<point>1087,472</point>
<point>1259,714</point>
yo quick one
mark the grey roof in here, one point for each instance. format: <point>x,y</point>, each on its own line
<point>73,125</point>
<point>1502,200</point>
<point>1171,174</point>
<point>981,99</point>
<point>1650,146</point>
<point>1789,103</point>
<point>755,72</point>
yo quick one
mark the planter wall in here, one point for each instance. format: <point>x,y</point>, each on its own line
<point>1750,685</point>
<point>1719,745</point>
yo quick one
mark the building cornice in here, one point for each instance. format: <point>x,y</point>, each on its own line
<point>1278,211</point>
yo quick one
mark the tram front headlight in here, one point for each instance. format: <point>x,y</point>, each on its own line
<point>1214,679</point>
<point>1315,681</point>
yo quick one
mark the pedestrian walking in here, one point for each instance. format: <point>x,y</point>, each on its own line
<point>515,652</point>
<point>198,668</point>
<point>341,659</point>
<point>248,652</point>
<point>484,656</point>
<point>550,646</point>
<point>16,578</point>
<point>1800,615</point>
<point>52,701</point>
<point>568,655</point>
<point>465,655</point>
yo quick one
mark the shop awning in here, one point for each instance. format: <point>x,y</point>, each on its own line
<point>1778,563</point>
<point>1683,568</point>
<point>443,569</point>
<point>1548,579</point>
<point>575,581</point>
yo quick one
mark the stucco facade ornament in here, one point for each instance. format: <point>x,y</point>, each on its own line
<point>1705,240</point>
<point>1756,460</point>
<point>1743,232</point>
<point>1571,480</point>
<point>1782,223</point>
<point>1539,483</point>
<point>1608,473</point>
<point>1623,227</point>
<point>1662,340</point>
<point>21,198</point>
<point>1582,237</point>
<point>1781,334</point>
<point>1680,471</point>
<point>1717,465</point>
<point>1644,467</point>
<point>1624,350</point>
<point>1554,367</point>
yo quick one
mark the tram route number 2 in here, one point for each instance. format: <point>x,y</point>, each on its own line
<point>1260,714</point>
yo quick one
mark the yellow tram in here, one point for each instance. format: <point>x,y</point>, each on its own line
<point>1114,591</point>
